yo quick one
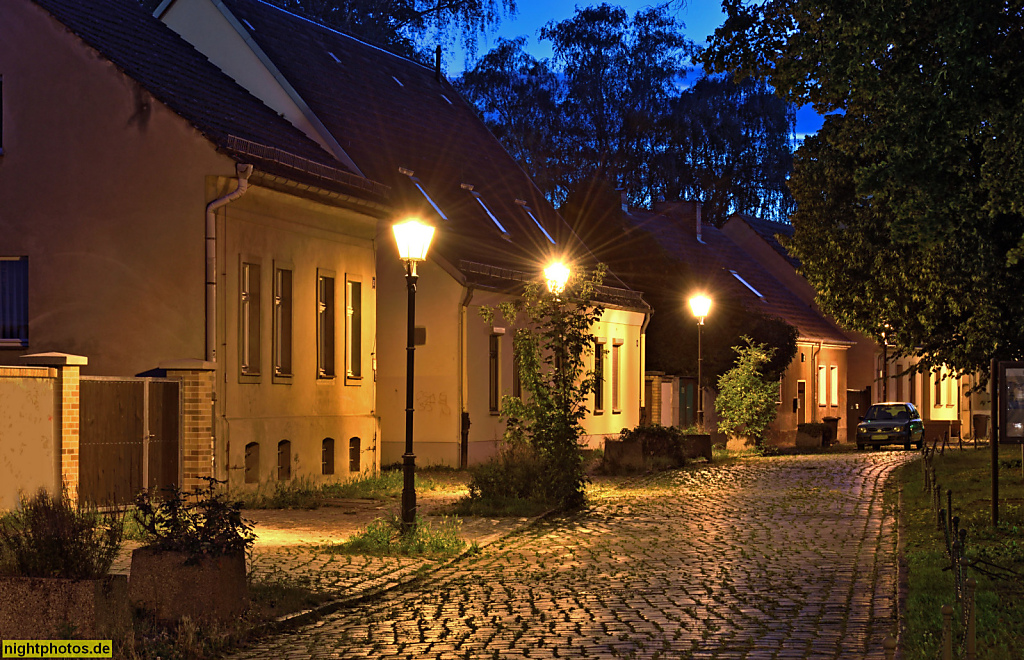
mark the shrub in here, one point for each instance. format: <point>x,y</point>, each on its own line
<point>203,523</point>
<point>516,473</point>
<point>52,537</point>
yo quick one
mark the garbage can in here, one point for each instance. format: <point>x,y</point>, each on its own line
<point>833,428</point>
<point>980,425</point>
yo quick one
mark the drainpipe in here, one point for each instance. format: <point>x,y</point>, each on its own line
<point>814,379</point>
<point>244,171</point>
<point>463,367</point>
<point>643,360</point>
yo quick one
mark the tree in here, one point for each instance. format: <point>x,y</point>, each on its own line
<point>550,346</point>
<point>746,400</point>
<point>910,203</point>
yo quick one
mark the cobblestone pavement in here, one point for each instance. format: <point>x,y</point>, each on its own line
<point>785,558</point>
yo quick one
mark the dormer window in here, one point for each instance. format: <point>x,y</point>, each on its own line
<point>334,57</point>
<point>526,208</point>
<point>397,81</point>
<point>747,284</point>
<point>419,186</point>
<point>480,201</point>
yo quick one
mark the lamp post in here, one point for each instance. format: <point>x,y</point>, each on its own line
<point>413,239</point>
<point>700,305</point>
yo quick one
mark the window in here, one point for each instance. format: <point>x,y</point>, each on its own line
<point>325,325</point>
<point>353,329</point>
<point>833,384</point>
<point>493,389</point>
<point>822,392</point>
<point>354,449</point>
<point>282,321</point>
<point>13,301</point>
<point>1,115</point>
<point>252,463</point>
<point>284,460</point>
<point>598,377</point>
<point>249,307</point>
<point>616,351</point>
<point>327,456</point>
<point>938,387</point>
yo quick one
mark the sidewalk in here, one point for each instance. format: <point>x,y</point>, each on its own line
<point>289,545</point>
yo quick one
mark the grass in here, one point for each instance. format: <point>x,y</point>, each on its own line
<point>1000,596</point>
<point>304,493</point>
<point>384,537</point>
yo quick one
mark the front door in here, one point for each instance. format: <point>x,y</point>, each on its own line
<point>801,399</point>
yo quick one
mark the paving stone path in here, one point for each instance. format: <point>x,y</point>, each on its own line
<point>791,557</point>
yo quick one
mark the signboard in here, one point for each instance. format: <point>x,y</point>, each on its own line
<point>1011,403</point>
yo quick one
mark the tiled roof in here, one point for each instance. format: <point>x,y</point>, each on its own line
<point>184,80</point>
<point>716,258</point>
<point>393,117</point>
<point>770,231</point>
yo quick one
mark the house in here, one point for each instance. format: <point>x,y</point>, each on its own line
<point>938,394</point>
<point>814,386</point>
<point>399,122</point>
<point>158,217</point>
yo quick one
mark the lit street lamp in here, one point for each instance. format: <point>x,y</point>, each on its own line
<point>700,305</point>
<point>556,274</point>
<point>413,239</point>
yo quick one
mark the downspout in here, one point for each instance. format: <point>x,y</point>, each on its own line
<point>463,308</point>
<point>643,362</point>
<point>814,379</point>
<point>244,171</point>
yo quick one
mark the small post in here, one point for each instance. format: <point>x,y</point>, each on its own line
<point>889,644</point>
<point>994,441</point>
<point>947,632</point>
<point>949,508</point>
<point>972,651</point>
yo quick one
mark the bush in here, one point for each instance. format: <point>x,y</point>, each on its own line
<point>52,537</point>
<point>207,525</point>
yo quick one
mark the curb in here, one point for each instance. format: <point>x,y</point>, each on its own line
<point>902,580</point>
<point>296,619</point>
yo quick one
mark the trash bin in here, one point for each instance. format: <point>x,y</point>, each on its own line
<point>833,428</point>
<point>980,425</point>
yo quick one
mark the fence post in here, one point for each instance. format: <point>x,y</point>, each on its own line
<point>68,412</point>
<point>972,652</point>
<point>947,632</point>
<point>889,644</point>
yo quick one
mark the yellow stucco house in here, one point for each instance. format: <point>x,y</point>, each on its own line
<point>155,216</point>
<point>401,123</point>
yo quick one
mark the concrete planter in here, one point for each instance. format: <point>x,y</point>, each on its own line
<point>58,608</point>
<point>163,583</point>
<point>634,455</point>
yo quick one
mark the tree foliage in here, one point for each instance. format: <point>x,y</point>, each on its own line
<point>611,104</point>
<point>551,344</point>
<point>910,203</point>
<point>746,400</point>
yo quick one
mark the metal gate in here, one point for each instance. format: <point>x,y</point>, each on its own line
<point>129,439</point>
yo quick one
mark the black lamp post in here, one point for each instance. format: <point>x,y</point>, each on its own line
<point>700,305</point>
<point>413,239</point>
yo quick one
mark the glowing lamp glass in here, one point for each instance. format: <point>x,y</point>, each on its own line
<point>700,306</point>
<point>413,239</point>
<point>556,274</point>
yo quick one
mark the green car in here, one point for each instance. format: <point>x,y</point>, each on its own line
<point>891,423</point>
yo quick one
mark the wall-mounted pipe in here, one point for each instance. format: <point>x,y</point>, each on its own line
<point>244,172</point>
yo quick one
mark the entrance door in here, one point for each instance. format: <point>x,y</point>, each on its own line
<point>801,398</point>
<point>857,403</point>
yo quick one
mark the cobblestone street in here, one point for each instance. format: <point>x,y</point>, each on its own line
<point>791,557</point>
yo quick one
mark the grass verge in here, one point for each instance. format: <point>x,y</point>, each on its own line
<point>384,537</point>
<point>1000,595</point>
<point>307,494</point>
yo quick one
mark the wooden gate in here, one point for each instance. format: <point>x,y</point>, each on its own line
<point>130,437</point>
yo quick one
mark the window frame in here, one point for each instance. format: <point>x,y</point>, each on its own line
<point>283,332</point>
<point>494,373</point>
<point>23,322</point>
<point>250,315</point>
<point>833,384</point>
<point>616,380</point>
<point>822,385</point>
<point>599,376</point>
<point>353,331</point>
<point>326,326</point>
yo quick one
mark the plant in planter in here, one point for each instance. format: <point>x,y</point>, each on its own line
<point>193,560</point>
<point>55,558</point>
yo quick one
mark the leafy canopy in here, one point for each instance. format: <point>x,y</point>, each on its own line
<point>746,400</point>
<point>551,344</point>
<point>910,200</point>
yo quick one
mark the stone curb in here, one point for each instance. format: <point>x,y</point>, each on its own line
<point>902,579</point>
<point>296,619</point>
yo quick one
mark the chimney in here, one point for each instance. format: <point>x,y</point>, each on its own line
<point>437,63</point>
<point>697,206</point>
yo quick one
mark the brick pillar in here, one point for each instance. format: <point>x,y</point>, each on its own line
<point>67,411</point>
<point>197,379</point>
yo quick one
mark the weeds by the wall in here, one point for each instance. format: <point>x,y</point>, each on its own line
<point>384,537</point>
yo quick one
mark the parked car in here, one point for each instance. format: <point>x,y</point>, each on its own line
<point>891,423</point>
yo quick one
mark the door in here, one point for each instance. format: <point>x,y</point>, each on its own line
<point>800,402</point>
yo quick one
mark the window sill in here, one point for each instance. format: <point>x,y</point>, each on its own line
<point>328,380</point>
<point>599,412</point>
<point>353,381</point>
<point>249,379</point>
<point>283,379</point>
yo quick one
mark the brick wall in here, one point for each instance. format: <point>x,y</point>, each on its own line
<point>197,382</point>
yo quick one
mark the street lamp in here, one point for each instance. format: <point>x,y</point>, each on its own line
<point>556,274</point>
<point>413,239</point>
<point>700,305</point>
